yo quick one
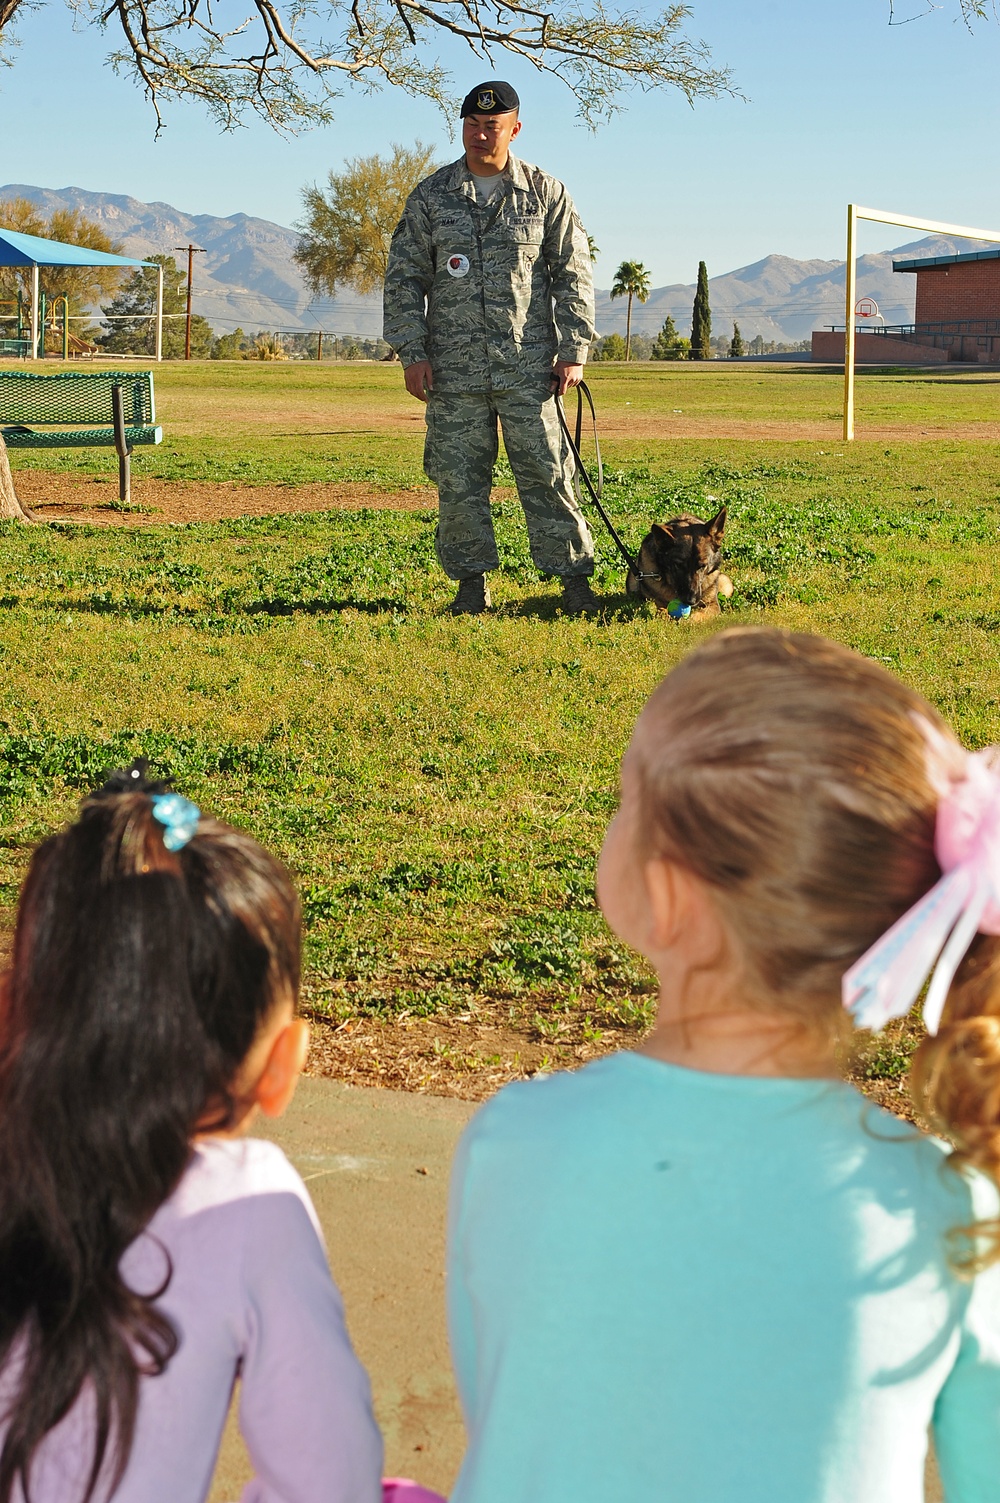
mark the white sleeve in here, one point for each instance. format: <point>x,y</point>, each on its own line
<point>305,1403</point>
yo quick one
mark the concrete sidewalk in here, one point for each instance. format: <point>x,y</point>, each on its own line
<point>376,1164</point>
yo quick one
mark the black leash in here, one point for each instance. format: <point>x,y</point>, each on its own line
<point>595,492</point>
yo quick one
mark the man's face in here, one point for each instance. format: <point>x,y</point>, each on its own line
<point>487,139</point>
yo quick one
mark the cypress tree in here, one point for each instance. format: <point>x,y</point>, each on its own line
<point>737,346</point>
<point>701,318</point>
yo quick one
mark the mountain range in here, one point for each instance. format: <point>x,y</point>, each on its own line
<point>247,276</point>
<point>784,299</point>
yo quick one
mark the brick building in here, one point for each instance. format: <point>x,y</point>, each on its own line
<point>957,316</point>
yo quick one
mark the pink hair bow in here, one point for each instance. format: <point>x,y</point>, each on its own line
<point>933,935</point>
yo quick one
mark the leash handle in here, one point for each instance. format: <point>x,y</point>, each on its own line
<point>583,391</point>
<point>581,471</point>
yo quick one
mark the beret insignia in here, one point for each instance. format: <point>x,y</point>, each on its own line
<point>493,97</point>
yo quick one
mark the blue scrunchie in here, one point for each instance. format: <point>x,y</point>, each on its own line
<point>179,818</point>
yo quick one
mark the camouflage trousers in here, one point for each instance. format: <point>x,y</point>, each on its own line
<point>459,456</point>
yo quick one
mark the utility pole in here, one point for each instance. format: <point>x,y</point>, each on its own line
<point>192,251</point>
<point>319,345</point>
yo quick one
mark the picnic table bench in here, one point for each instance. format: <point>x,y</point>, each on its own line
<point>80,410</point>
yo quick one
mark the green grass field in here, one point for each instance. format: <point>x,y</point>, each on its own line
<point>285,423</point>
<point>440,787</point>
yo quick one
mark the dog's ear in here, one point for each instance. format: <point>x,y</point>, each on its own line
<point>666,531</point>
<point>717,526</point>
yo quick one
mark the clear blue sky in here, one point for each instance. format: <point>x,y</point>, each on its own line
<point>841,105</point>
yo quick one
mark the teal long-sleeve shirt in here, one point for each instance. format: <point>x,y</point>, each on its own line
<point>701,1288</point>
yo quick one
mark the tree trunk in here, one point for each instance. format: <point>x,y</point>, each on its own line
<point>628,327</point>
<point>11,509</point>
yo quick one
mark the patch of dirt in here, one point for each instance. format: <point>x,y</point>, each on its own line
<point>94,499</point>
<point>471,1055</point>
<point>468,1055</point>
<point>893,1095</point>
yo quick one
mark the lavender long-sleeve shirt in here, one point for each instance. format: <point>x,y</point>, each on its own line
<point>250,1296</point>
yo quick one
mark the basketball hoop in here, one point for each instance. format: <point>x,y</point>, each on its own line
<point>866,307</point>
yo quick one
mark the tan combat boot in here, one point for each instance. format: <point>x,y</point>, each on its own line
<point>473,596</point>
<point>578,598</point>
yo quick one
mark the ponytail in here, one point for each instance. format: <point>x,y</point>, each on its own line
<point>139,979</point>
<point>955,1080</point>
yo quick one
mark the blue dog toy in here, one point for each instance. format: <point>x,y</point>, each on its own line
<point>678,611</point>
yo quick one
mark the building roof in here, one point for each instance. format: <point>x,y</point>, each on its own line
<point>30,250</point>
<point>922,264</point>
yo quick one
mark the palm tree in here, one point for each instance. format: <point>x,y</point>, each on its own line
<point>631,280</point>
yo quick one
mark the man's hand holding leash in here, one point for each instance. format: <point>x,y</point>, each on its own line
<point>566,376</point>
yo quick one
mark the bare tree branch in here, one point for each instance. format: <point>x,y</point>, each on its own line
<point>895,20</point>
<point>971,10</point>
<point>287,60</point>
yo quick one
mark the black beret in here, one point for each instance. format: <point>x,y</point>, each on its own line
<point>491,98</point>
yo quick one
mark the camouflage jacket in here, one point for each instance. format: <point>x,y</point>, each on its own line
<point>490,294</point>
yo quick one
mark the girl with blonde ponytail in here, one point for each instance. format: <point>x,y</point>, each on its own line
<point>709,1271</point>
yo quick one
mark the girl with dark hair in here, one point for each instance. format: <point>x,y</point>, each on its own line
<point>709,1271</point>
<point>149,1255</point>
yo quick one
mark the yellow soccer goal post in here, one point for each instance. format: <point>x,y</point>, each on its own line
<point>907,221</point>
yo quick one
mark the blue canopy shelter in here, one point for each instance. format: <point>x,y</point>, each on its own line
<point>30,250</point>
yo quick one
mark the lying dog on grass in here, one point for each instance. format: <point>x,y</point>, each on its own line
<point>680,565</point>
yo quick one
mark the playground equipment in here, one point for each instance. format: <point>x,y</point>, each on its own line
<point>13,341</point>
<point>45,306</point>
<point>883,216</point>
<point>53,316</point>
<point>32,252</point>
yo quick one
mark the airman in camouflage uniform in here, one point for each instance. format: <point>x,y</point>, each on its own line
<point>490,306</point>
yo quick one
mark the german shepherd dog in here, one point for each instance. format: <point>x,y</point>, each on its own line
<point>681,560</point>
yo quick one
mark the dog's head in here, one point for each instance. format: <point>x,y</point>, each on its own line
<point>686,554</point>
